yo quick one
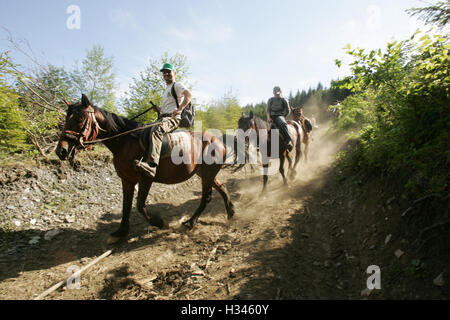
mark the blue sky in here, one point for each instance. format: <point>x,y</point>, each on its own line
<point>246,46</point>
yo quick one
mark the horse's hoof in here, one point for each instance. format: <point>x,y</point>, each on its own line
<point>113,240</point>
<point>188,224</point>
<point>230,214</point>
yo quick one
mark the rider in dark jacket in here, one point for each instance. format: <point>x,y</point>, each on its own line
<point>277,110</point>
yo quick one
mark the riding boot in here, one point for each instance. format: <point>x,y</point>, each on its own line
<point>149,167</point>
<point>281,123</point>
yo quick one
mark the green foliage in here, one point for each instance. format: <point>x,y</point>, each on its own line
<point>437,14</point>
<point>258,109</point>
<point>400,111</point>
<point>57,82</point>
<point>356,112</point>
<point>96,78</point>
<point>12,123</point>
<point>222,114</point>
<point>150,85</point>
<point>32,107</point>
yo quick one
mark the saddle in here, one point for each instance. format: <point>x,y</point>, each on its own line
<point>289,129</point>
<point>170,140</point>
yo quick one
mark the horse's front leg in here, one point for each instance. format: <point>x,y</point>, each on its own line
<point>306,151</point>
<point>298,156</point>
<point>282,159</point>
<point>128,193</point>
<point>206,191</point>
<point>291,170</point>
<point>152,219</point>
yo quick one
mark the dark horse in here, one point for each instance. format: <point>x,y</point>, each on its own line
<point>85,122</point>
<point>265,137</point>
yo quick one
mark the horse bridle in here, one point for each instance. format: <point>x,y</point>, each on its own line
<point>89,131</point>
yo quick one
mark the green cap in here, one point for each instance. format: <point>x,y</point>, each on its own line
<point>167,66</point>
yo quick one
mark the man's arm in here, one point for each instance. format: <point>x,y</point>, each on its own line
<point>187,98</point>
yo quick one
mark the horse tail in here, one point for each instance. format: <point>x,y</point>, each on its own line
<point>232,151</point>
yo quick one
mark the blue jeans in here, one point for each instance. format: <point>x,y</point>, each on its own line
<point>282,125</point>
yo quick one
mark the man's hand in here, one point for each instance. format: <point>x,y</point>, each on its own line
<point>187,98</point>
<point>176,112</point>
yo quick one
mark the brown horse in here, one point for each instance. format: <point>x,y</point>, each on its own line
<point>85,122</point>
<point>265,138</point>
<point>297,115</point>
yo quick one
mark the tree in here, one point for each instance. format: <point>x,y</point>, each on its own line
<point>12,123</point>
<point>400,106</point>
<point>222,114</point>
<point>96,78</point>
<point>438,14</point>
<point>258,109</point>
<point>150,85</point>
<point>41,101</point>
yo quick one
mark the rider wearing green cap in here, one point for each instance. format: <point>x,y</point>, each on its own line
<point>169,118</point>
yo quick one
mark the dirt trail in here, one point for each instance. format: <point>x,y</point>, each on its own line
<point>299,242</point>
<point>277,247</point>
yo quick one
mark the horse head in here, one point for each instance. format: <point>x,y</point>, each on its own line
<point>297,114</point>
<point>247,122</point>
<point>81,125</point>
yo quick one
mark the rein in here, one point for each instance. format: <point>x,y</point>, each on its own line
<point>123,133</point>
<point>84,140</point>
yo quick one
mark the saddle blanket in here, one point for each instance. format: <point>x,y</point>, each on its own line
<point>181,138</point>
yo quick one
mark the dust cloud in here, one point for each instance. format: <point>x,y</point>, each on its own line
<point>323,147</point>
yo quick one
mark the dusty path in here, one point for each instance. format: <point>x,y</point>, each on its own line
<point>279,246</point>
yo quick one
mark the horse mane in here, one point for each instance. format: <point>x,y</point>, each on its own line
<point>116,123</point>
<point>260,123</point>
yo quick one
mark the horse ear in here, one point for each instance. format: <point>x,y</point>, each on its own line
<point>251,114</point>
<point>85,101</point>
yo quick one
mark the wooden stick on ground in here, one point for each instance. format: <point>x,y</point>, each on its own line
<point>76,274</point>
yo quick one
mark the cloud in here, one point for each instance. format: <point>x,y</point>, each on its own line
<point>124,19</point>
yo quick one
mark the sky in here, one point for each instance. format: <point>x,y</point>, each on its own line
<point>246,46</point>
